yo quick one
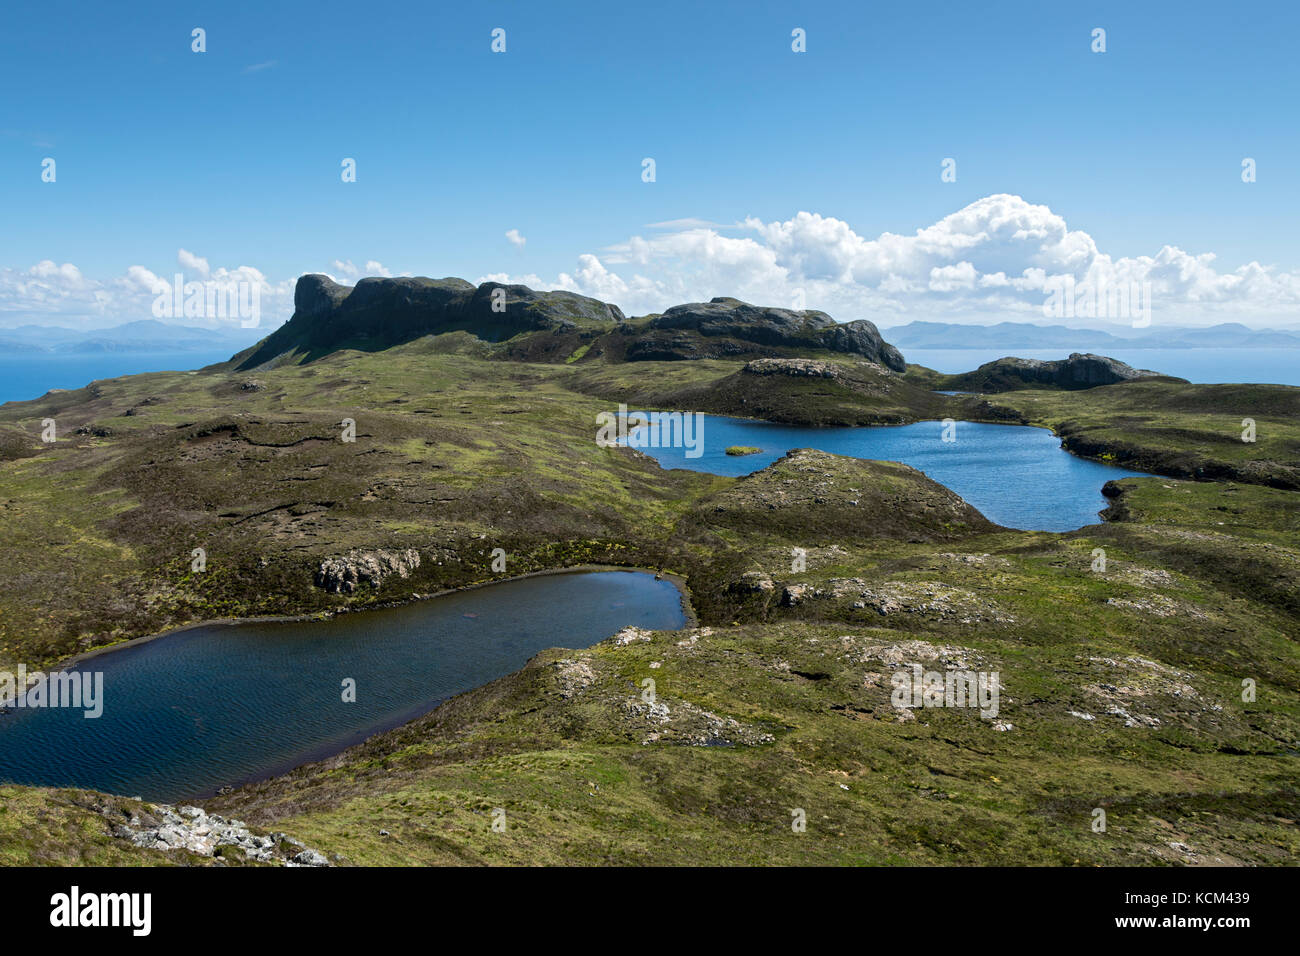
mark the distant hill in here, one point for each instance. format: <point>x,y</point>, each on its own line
<point>146,335</point>
<point>1024,335</point>
<point>527,325</point>
<point>1010,374</point>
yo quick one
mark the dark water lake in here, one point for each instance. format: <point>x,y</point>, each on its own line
<point>1015,475</point>
<point>194,711</point>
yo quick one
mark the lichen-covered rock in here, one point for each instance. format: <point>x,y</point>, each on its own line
<point>192,829</point>
<point>344,574</point>
<point>806,368</point>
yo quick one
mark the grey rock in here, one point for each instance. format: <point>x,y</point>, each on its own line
<point>344,574</point>
<point>311,858</point>
<point>166,829</point>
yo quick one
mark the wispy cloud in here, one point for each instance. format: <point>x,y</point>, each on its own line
<point>690,223</point>
<point>259,67</point>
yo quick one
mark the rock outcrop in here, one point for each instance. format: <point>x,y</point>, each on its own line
<point>728,328</point>
<point>376,314</point>
<point>1080,370</point>
<point>167,828</point>
<point>798,368</point>
<point>344,574</point>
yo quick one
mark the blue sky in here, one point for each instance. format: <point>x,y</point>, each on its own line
<point>233,155</point>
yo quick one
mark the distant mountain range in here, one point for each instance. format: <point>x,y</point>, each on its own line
<point>147,335</point>
<point>1023,335</point>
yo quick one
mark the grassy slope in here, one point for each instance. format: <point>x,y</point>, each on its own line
<point>860,394</point>
<point>456,456</point>
<point>1187,431</point>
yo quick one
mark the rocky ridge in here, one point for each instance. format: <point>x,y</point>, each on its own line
<point>1078,371</point>
<point>378,313</point>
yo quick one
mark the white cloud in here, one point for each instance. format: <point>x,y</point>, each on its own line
<point>189,260</point>
<point>515,238</point>
<point>346,272</point>
<point>52,294</point>
<point>994,259</point>
<point>953,278</point>
<point>691,223</point>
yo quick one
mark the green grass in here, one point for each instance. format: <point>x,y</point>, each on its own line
<point>1184,431</point>
<point>814,581</point>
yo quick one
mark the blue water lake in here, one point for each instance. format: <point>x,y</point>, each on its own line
<point>1015,475</point>
<point>218,705</point>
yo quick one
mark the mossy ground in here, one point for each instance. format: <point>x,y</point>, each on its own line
<point>1185,431</point>
<point>788,677</point>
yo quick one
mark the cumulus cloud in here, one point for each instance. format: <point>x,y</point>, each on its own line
<point>994,259</point>
<point>998,258</point>
<point>189,260</point>
<point>52,294</point>
<point>515,238</point>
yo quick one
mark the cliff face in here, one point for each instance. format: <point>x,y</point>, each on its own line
<point>380,313</point>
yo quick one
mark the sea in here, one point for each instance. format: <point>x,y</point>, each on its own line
<point>27,376</point>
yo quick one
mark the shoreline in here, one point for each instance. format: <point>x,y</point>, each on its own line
<point>326,752</point>
<point>679,582</point>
